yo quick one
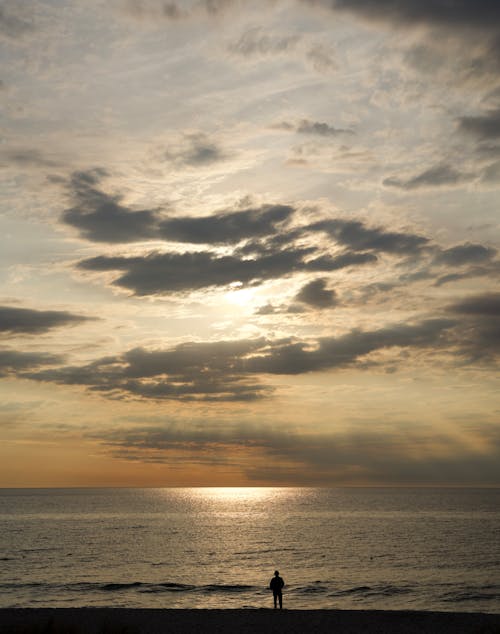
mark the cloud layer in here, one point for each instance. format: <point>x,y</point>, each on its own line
<point>230,370</point>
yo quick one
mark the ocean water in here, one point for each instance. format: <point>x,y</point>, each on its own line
<point>350,548</point>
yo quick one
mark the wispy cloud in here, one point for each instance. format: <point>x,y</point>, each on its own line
<point>441,175</point>
<point>317,128</point>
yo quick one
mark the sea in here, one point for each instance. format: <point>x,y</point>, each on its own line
<point>336,548</point>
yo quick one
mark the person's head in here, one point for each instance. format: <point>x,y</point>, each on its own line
<point>276,573</point>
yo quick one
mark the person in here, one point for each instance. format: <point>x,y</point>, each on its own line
<point>276,586</point>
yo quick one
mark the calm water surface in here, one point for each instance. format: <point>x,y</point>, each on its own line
<point>431,549</point>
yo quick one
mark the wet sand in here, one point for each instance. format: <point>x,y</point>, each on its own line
<point>142,621</point>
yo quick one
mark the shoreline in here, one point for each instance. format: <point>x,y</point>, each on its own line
<point>184,621</point>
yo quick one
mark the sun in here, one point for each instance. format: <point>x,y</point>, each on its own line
<point>241,296</point>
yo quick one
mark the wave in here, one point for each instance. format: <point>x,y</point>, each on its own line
<point>372,591</point>
<point>478,593</point>
<point>317,588</point>
<point>227,588</point>
<point>112,587</point>
<point>139,586</point>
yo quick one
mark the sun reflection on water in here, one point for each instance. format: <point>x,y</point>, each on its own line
<point>237,494</point>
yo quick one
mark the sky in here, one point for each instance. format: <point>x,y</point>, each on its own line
<point>249,243</point>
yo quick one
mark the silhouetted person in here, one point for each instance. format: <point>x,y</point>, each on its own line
<point>276,586</point>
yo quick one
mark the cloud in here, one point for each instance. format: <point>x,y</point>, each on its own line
<point>399,455</point>
<point>481,326</point>
<point>487,305</point>
<point>436,176</point>
<point>14,23</point>
<point>28,157</point>
<point>474,271</point>
<point>357,236</point>
<point>189,371</point>
<point>482,14</point>
<point>316,295</point>
<point>255,42</point>
<point>226,227</point>
<point>15,320</point>
<point>465,261</point>
<point>160,273</point>
<point>322,58</point>
<point>174,11</point>
<point>194,150</point>
<point>267,245</point>
<point>225,370</point>
<point>305,126</point>
<point>483,127</point>
<point>100,217</point>
<point>305,458</point>
<point>491,173</point>
<point>339,352</point>
<point>13,362</point>
<point>462,254</point>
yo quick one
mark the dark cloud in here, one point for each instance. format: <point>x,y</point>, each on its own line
<point>224,370</point>
<point>15,320</point>
<point>487,305</point>
<point>337,352</point>
<point>327,263</point>
<point>255,42</point>
<point>196,150</point>
<point>266,243</point>
<point>482,127</point>
<point>483,14</point>
<point>305,126</point>
<point>317,295</point>
<point>469,273</point>
<point>226,228</point>
<point>14,361</point>
<point>357,236</point>
<point>101,217</point>
<point>466,261</point>
<point>190,371</point>
<point>436,176</point>
<point>159,273</point>
<point>480,315</point>
<point>465,254</point>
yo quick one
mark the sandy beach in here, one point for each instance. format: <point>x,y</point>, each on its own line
<point>142,621</point>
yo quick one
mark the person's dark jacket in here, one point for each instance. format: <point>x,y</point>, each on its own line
<point>276,585</point>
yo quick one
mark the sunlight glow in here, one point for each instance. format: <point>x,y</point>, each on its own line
<point>240,296</point>
<point>236,494</point>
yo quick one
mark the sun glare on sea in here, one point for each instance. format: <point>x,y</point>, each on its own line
<point>235,494</point>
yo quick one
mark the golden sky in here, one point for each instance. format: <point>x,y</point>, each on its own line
<point>249,243</point>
